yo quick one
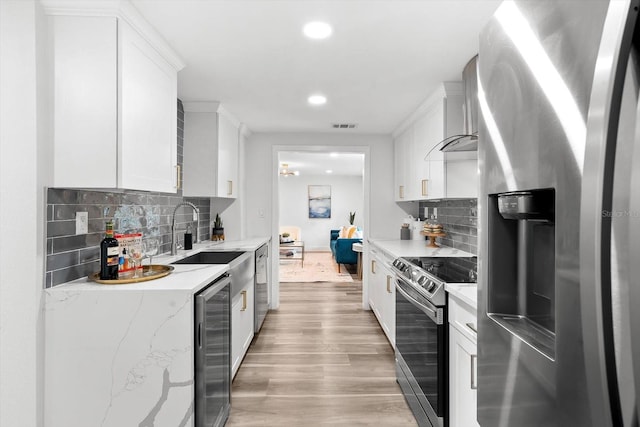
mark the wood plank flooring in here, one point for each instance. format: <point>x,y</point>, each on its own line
<point>319,360</point>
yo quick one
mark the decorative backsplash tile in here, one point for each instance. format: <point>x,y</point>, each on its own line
<point>70,256</point>
<point>460,220</point>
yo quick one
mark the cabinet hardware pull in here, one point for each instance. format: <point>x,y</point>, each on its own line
<point>472,327</point>
<point>244,300</point>
<point>229,188</point>
<point>388,284</point>
<point>178,180</point>
<point>401,191</point>
<point>474,362</point>
<point>373,266</point>
<point>424,187</point>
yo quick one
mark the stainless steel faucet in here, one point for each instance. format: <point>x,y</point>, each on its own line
<point>174,246</point>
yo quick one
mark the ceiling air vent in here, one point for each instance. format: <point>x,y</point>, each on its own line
<point>343,125</point>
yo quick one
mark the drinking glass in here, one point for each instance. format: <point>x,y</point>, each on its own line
<point>150,248</point>
<point>136,256</point>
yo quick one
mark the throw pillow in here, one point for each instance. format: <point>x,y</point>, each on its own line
<point>347,232</point>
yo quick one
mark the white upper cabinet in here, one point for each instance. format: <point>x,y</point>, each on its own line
<point>114,100</point>
<point>403,168</point>
<point>148,116</point>
<point>462,174</point>
<point>428,162</point>
<point>211,151</point>
<point>422,171</point>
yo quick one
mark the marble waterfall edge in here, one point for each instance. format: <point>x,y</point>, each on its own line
<point>116,359</point>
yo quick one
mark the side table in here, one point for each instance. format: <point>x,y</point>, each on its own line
<point>357,247</point>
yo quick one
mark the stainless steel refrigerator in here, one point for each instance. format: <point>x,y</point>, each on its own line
<point>559,208</point>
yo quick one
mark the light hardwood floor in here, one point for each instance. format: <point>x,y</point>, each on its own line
<point>319,360</point>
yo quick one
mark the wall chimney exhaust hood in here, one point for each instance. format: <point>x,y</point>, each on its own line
<point>469,140</point>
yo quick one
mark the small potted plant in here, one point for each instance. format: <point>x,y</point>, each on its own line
<point>218,230</point>
<point>352,217</point>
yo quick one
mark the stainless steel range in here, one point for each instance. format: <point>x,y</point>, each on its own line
<point>421,332</point>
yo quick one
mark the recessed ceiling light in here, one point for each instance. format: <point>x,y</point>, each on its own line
<point>317,30</point>
<point>334,154</point>
<point>329,171</point>
<point>317,99</point>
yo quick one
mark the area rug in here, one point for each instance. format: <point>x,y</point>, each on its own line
<point>318,267</point>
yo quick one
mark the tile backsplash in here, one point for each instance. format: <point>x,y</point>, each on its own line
<point>71,256</point>
<point>460,220</point>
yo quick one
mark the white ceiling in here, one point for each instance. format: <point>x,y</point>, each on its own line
<point>384,58</point>
<point>317,163</point>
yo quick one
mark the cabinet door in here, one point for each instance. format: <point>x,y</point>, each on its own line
<point>403,164</point>
<point>200,154</point>
<point>389,305</point>
<point>463,380</point>
<point>429,174</point>
<point>462,174</point>
<point>375,277</point>
<point>85,104</point>
<point>227,157</point>
<point>382,296</point>
<point>148,109</point>
<point>241,326</point>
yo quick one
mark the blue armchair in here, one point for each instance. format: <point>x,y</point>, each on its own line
<point>341,249</point>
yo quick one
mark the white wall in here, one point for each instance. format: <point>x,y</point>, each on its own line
<point>24,170</point>
<point>346,196</point>
<point>384,213</point>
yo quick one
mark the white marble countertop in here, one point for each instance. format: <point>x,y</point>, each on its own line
<point>416,248</point>
<point>250,244</point>
<point>185,277</point>
<point>465,292</point>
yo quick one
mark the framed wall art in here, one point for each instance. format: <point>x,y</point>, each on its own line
<point>319,201</point>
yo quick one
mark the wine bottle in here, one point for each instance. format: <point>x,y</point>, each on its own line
<point>109,254</point>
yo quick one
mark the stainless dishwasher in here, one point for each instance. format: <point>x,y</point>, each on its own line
<point>212,344</point>
<point>261,305</point>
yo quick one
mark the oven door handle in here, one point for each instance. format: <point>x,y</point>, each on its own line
<point>433,315</point>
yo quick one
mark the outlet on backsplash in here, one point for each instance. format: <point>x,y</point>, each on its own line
<point>82,222</point>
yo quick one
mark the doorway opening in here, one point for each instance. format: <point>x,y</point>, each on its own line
<point>317,190</point>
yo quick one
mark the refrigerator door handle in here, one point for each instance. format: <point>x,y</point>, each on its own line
<point>634,235</point>
<point>595,228</point>
<point>474,370</point>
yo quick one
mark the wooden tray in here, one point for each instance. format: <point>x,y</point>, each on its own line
<point>149,272</point>
<point>432,238</point>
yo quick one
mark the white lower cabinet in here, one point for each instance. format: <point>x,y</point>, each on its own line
<point>463,365</point>
<point>382,293</point>
<point>241,325</point>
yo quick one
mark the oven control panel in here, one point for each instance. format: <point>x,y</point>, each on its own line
<point>424,282</point>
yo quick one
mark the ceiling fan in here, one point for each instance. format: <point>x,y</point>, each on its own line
<point>285,171</point>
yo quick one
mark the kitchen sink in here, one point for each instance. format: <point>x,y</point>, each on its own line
<point>241,265</point>
<point>210,258</point>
